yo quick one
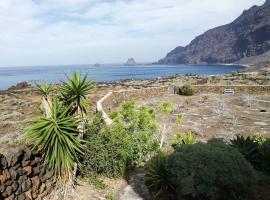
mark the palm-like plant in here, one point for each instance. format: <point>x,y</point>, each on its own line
<point>56,137</point>
<point>74,91</point>
<point>45,89</point>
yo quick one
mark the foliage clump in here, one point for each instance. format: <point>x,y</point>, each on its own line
<point>184,138</point>
<point>128,143</point>
<point>210,171</point>
<point>187,90</point>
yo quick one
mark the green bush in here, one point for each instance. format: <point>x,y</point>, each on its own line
<point>212,171</point>
<point>187,90</point>
<point>108,152</point>
<point>128,143</point>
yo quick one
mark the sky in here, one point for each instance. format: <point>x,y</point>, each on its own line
<point>55,32</point>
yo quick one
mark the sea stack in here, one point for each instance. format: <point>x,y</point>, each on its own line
<point>130,61</point>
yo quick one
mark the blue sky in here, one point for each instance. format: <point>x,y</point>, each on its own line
<point>53,32</point>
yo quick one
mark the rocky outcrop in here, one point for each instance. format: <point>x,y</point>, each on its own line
<point>23,175</point>
<point>130,61</point>
<point>247,36</point>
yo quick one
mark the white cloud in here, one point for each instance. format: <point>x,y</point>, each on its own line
<point>89,31</point>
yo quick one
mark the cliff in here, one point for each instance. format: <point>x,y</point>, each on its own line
<point>247,36</point>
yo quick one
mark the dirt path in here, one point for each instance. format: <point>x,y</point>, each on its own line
<point>135,190</point>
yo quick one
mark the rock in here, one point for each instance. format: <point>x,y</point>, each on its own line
<point>12,160</point>
<point>8,191</point>
<point>36,170</point>
<point>14,186</point>
<point>3,162</point>
<point>35,161</point>
<point>27,170</point>
<point>3,179</point>
<point>21,179</point>
<point>25,163</point>
<point>13,174</point>
<point>21,197</point>
<point>47,176</point>
<point>21,85</point>
<point>42,188</point>
<point>20,171</point>
<point>2,188</point>
<point>28,194</point>
<point>6,173</point>
<point>35,183</point>
<point>8,183</point>
<point>11,197</point>
<point>26,185</point>
<point>130,61</point>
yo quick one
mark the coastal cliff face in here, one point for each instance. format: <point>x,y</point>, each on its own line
<point>247,36</point>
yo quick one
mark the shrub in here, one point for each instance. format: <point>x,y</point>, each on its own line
<point>187,90</point>
<point>212,171</point>
<point>158,177</point>
<point>107,152</point>
<point>128,143</point>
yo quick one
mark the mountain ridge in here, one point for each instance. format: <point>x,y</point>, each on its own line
<point>247,36</point>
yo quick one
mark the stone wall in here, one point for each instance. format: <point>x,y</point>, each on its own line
<point>120,96</point>
<point>24,176</point>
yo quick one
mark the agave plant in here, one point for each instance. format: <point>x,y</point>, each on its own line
<point>56,137</point>
<point>248,148</point>
<point>158,176</point>
<point>74,91</point>
<point>184,138</point>
<point>45,89</point>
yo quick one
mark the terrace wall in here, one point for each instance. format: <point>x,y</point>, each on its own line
<point>123,95</point>
<point>24,176</point>
<point>142,94</point>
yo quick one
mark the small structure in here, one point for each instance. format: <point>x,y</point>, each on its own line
<point>229,91</point>
<point>171,89</point>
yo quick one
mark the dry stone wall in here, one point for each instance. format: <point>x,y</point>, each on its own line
<point>23,176</point>
<point>140,94</point>
<point>239,89</point>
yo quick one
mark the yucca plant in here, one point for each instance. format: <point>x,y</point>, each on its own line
<point>74,91</point>
<point>45,89</point>
<point>56,137</point>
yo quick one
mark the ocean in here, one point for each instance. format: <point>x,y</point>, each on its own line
<point>105,72</point>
